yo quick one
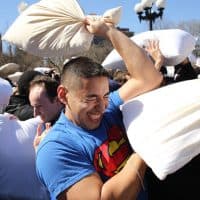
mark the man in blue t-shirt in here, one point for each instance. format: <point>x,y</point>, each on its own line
<point>86,154</point>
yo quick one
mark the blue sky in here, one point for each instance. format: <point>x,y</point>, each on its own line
<point>176,11</point>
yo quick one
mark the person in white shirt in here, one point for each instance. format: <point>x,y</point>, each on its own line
<point>18,179</point>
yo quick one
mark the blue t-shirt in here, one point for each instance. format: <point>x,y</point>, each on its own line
<point>69,153</point>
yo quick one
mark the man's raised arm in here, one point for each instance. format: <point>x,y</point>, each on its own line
<point>144,76</point>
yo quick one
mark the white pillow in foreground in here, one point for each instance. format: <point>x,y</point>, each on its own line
<point>52,28</point>
<point>175,45</point>
<point>163,126</point>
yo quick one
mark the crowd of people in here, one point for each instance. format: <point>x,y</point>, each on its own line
<point>81,147</point>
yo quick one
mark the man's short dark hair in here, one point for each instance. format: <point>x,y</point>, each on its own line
<point>83,67</point>
<point>24,81</point>
<point>48,83</point>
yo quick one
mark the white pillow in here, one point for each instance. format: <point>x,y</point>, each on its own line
<point>163,126</point>
<point>8,68</point>
<point>15,76</point>
<point>5,93</point>
<point>54,28</point>
<point>43,70</point>
<point>175,45</point>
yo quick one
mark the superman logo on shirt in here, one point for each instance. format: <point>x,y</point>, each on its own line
<point>111,156</point>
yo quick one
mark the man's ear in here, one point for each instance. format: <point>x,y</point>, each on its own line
<point>62,94</point>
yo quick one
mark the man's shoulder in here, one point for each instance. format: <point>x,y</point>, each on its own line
<point>115,102</point>
<point>59,134</point>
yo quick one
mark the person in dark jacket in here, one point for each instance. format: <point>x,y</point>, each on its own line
<point>19,104</point>
<point>184,71</point>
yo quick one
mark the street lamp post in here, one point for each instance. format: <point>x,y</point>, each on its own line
<point>145,11</point>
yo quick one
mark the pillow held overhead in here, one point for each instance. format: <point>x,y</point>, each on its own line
<point>54,28</point>
<point>175,45</point>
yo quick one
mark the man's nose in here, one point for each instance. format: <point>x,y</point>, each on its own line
<point>101,104</point>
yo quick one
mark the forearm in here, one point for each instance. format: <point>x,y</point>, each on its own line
<point>127,183</point>
<point>139,65</point>
<point>158,64</point>
<point>135,58</point>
